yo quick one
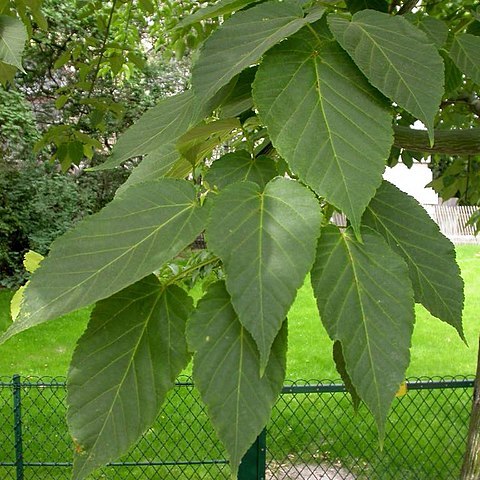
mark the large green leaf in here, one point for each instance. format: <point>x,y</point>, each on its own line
<point>240,99</point>
<point>465,52</point>
<point>430,256</point>
<point>154,166</point>
<point>436,30</point>
<point>226,372</point>
<point>124,364</point>
<point>266,240</point>
<point>365,300</point>
<point>13,36</point>
<point>131,237</point>
<point>240,166</point>
<point>162,124</point>
<point>7,73</point>
<point>355,6</point>
<point>325,120</point>
<point>242,40</point>
<point>397,58</point>
<point>199,141</point>
<point>340,365</point>
<point>223,7</point>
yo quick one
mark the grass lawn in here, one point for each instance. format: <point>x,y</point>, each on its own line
<point>436,347</point>
<point>437,350</point>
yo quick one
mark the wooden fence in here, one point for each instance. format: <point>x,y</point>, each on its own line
<point>452,220</point>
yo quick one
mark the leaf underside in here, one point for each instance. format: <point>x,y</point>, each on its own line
<point>163,124</point>
<point>430,256</point>
<point>325,120</point>
<point>226,372</point>
<point>365,300</point>
<point>242,40</point>
<point>266,240</point>
<point>130,238</point>
<point>465,52</point>
<point>13,36</point>
<point>397,58</point>
<point>154,166</point>
<point>122,368</point>
<point>239,166</point>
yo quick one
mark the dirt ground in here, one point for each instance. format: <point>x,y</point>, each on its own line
<point>308,472</point>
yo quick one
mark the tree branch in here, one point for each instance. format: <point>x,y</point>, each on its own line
<point>450,142</point>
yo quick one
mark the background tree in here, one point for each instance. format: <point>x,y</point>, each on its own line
<point>310,100</point>
<point>85,78</point>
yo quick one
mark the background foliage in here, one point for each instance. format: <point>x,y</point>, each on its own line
<point>310,101</point>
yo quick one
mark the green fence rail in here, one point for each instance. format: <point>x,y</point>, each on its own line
<point>313,434</point>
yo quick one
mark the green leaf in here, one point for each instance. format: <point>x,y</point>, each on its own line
<point>397,58</point>
<point>239,166</point>
<point>15,302</point>
<point>130,238</point>
<point>223,7</point>
<point>266,240</point>
<point>339,360</point>
<point>453,76</point>
<point>226,372</point>
<point>430,256</point>
<point>325,120</point>
<point>465,52</point>
<point>355,6</point>
<point>199,141</point>
<point>242,40</point>
<point>436,30</point>
<point>154,166</point>
<point>32,261</point>
<point>365,300</point>
<point>7,73</point>
<point>147,6</point>
<point>240,99</point>
<point>13,36</point>
<point>123,366</point>
<point>164,123</point>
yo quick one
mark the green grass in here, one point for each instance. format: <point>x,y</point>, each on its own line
<point>436,347</point>
<point>319,427</point>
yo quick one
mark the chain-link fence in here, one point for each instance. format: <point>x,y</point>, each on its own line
<point>313,434</point>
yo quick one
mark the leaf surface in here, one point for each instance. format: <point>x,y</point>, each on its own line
<point>266,240</point>
<point>365,300</point>
<point>242,40</point>
<point>339,360</point>
<point>199,141</point>
<point>240,99</point>
<point>223,7</point>
<point>325,120</point>
<point>162,124</point>
<point>465,52</point>
<point>397,58</point>
<point>123,366</point>
<point>239,166</point>
<point>154,166</point>
<point>226,372</point>
<point>13,36</point>
<point>130,238</point>
<point>430,256</point>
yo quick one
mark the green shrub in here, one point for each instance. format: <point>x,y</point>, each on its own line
<point>37,204</point>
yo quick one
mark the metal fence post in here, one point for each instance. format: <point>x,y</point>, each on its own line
<point>254,462</point>
<point>17,425</point>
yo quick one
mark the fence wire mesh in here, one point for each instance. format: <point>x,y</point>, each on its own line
<point>313,434</point>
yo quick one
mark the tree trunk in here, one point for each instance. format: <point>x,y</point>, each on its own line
<point>452,142</point>
<point>471,461</point>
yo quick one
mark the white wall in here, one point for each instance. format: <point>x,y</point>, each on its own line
<point>413,181</point>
